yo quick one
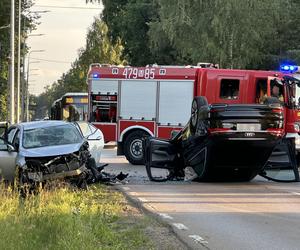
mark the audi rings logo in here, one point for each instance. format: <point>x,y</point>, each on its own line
<point>249,134</point>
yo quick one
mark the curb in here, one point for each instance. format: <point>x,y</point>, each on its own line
<point>139,205</point>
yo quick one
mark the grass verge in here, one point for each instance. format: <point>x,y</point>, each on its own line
<point>63,218</point>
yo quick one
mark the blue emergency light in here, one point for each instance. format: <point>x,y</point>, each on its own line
<point>96,75</point>
<point>288,68</point>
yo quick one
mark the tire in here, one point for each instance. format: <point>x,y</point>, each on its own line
<point>198,104</point>
<point>133,148</point>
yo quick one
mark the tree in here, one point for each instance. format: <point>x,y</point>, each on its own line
<point>99,48</point>
<point>30,22</point>
<point>233,33</point>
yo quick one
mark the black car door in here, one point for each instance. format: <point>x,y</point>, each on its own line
<point>161,158</point>
<point>282,165</point>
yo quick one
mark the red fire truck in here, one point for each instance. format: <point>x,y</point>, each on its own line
<point>128,103</point>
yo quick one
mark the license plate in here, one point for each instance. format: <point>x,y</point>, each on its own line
<point>248,127</point>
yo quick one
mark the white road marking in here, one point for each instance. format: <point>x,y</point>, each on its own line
<point>198,239</point>
<point>166,216</point>
<point>150,207</point>
<point>295,193</point>
<point>143,199</point>
<point>126,188</point>
<point>180,226</point>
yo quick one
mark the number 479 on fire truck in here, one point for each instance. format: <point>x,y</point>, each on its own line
<point>129,103</point>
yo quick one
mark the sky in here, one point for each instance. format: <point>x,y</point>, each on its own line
<point>64,32</point>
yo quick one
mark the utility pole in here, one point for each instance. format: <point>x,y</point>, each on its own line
<point>19,62</point>
<point>12,64</point>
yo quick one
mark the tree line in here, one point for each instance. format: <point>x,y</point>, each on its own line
<point>248,34</point>
<point>29,21</point>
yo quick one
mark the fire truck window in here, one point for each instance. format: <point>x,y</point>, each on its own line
<point>230,89</point>
<point>277,90</point>
<point>261,90</point>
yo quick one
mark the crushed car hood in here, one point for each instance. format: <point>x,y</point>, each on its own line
<point>51,151</point>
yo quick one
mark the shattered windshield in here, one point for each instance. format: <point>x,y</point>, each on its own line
<point>51,136</point>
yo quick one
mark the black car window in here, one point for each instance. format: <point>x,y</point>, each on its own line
<point>229,89</point>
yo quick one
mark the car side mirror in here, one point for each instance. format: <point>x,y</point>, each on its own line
<point>10,148</point>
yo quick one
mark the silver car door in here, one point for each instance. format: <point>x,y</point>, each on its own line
<point>96,143</point>
<point>7,161</point>
<point>94,137</point>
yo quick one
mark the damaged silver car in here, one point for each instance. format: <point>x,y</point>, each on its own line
<point>45,150</point>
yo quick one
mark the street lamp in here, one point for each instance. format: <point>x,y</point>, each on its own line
<point>27,91</point>
<point>19,79</point>
<point>36,34</point>
<point>24,92</point>
<point>19,55</point>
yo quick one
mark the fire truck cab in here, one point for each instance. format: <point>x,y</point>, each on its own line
<point>129,103</point>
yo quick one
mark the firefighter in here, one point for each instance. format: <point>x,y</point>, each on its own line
<point>276,93</point>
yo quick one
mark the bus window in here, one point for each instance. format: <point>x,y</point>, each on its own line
<point>75,112</point>
<point>71,107</point>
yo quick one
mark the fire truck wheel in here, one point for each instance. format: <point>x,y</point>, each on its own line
<point>197,104</point>
<point>133,148</point>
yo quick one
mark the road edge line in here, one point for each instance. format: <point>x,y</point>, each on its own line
<point>139,205</point>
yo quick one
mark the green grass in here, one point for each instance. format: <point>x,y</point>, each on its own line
<point>62,218</point>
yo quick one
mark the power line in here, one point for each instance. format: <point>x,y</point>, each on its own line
<point>66,7</point>
<point>48,60</point>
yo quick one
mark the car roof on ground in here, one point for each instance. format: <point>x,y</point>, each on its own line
<point>41,124</point>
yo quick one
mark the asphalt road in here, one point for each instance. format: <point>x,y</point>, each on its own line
<point>255,215</point>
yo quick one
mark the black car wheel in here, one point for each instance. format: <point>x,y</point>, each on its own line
<point>198,103</point>
<point>133,147</point>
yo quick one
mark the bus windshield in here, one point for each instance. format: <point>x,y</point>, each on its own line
<point>71,107</point>
<point>75,112</point>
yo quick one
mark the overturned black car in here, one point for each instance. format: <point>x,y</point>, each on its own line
<point>223,142</point>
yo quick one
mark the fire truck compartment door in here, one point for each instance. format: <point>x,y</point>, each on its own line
<point>175,98</point>
<point>104,86</point>
<point>138,99</point>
